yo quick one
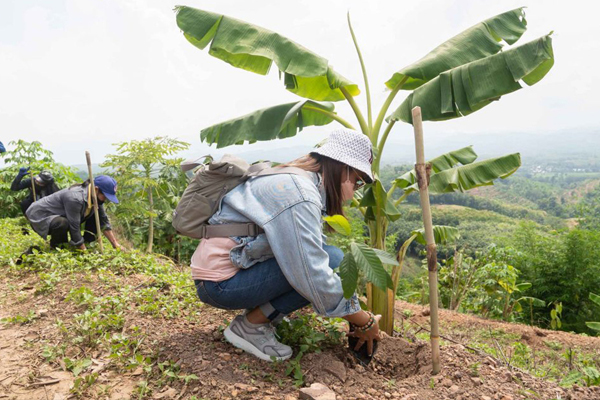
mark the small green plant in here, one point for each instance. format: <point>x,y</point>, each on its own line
<point>521,355</point>
<point>52,353</point>
<point>20,319</point>
<point>91,326</point>
<point>81,296</point>
<point>142,390</point>
<point>82,384</point>
<point>294,370</point>
<point>77,366</point>
<point>589,376</point>
<point>48,281</point>
<point>555,316</point>
<point>554,345</point>
<point>475,369</point>
<point>305,332</point>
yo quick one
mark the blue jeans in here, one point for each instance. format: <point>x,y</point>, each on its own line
<point>262,285</point>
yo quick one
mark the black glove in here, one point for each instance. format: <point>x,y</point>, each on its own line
<point>23,171</point>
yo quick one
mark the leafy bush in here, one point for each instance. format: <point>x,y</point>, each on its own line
<point>33,155</point>
<point>562,267</point>
<point>150,185</point>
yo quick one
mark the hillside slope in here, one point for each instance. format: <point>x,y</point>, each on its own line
<point>128,325</point>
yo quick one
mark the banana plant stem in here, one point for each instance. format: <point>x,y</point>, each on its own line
<point>332,115</point>
<point>364,72</point>
<point>382,144</point>
<point>386,105</point>
<point>392,189</point>
<point>400,199</point>
<point>358,113</point>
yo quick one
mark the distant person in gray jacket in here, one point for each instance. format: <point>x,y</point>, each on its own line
<point>44,186</point>
<point>63,213</point>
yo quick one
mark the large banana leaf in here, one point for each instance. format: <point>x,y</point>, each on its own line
<point>464,156</point>
<point>473,175</point>
<point>442,234</point>
<point>277,122</point>
<point>470,87</point>
<point>254,49</point>
<point>479,41</point>
<point>595,298</point>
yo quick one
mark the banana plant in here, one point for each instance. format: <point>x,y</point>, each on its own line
<point>361,257</point>
<point>460,76</point>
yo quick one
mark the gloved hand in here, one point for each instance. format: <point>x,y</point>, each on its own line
<point>24,171</point>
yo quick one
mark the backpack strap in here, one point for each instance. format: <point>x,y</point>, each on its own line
<point>280,170</point>
<point>227,230</point>
<point>255,169</point>
<point>249,229</point>
<point>189,165</point>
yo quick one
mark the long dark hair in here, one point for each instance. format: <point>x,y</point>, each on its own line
<point>331,171</point>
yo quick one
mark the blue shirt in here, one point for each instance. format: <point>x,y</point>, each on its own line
<point>289,209</point>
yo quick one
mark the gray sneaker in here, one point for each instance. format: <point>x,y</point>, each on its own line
<point>256,339</point>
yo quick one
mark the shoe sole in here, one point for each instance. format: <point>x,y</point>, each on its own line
<point>248,347</point>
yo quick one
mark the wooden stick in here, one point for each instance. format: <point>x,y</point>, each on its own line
<point>44,383</point>
<point>33,187</point>
<point>423,172</point>
<point>95,201</point>
<point>498,347</point>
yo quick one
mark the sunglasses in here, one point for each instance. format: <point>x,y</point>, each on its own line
<point>359,182</point>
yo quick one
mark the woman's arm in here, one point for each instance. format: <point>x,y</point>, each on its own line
<point>295,239</point>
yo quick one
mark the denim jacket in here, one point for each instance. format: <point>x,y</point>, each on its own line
<point>289,209</point>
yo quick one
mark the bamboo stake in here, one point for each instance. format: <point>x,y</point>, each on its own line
<point>33,187</point>
<point>95,201</point>
<point>423,171</point>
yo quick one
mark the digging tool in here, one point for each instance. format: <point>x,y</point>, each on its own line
<point>95,201</point>
<point>423,173</point>
<point>33,186</point>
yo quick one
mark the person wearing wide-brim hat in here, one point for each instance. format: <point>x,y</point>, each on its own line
<point>61,214</point>
<point>43,182</point>
<point>288,265</point>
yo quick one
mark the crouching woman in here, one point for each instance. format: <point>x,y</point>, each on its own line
<point>289,265</point>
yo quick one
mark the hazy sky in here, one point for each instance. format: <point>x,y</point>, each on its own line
<point>83,74</point>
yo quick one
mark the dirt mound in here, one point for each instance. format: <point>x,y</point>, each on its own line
<point>402,370</point>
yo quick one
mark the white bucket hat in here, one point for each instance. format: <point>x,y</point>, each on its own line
<point>351,148</point>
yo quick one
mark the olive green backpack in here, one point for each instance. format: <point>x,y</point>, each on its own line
<point>210,184</point>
